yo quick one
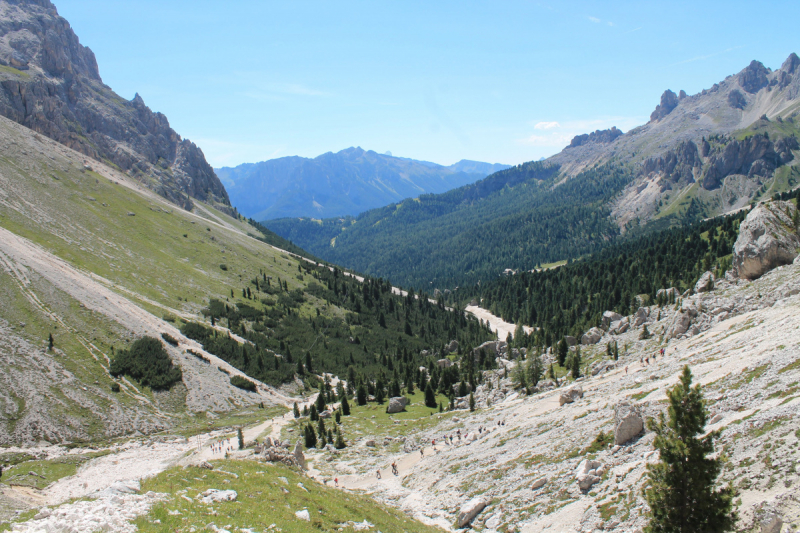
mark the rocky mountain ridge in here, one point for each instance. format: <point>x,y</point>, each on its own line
<point>347,182</point>
<point>51,83</point>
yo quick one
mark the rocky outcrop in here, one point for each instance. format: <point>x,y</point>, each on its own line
<point>61,95</point>
<point>678,165</point>
<point>768,238</point>
<point>705,283</point>
<point>396,404</point>
<point>470,510</point>
<point>592,336</point>
<point>669,101</point>
<point>628,422</point>
<point>736,99</point>
<point>754,77</point>
<point>608,318</point>
<point>598,136</point>
<point>570,395</point>
<point>753,156</point>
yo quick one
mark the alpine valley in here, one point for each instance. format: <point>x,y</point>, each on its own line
<point>176,357</point>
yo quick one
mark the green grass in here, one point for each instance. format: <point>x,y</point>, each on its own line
<point>262,500</point>
<point>46,472</point>
<point>792,366</point>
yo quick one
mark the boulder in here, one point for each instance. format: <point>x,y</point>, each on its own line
<point>608,318</point>
<point>587,473</point>
<point>666,294</point>
<point>214,496</point>
<point>586,481</point>
<point>539,483</point>
<point>452,347</point>
<point>641,316</point>
<point>370,442</point>
<point>770,521</point>
<point>470,510</point>
<point>444,363</point>
<point>592,336</point>
<point>679,325</point>
<point>705,283</point>
<point>325,414</point>
<point>570,395</point>
<point>303,515</point>
<point>396,404</point>
<point>570,340</point>
<point>628,422</point>
<point>767,239</point>
<point>298,454</point>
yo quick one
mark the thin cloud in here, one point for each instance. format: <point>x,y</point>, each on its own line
<point>708,56</point>
<point>546,125</point>
<point>595,20</point>
<point>633,30</point>
<point>559,134</point>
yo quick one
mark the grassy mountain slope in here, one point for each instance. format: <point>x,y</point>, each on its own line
<point>336,184</point>
<point>96,260</point>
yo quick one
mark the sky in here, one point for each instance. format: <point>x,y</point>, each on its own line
<point>501,81</point>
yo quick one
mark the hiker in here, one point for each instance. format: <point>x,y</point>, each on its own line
<point>626,369</point>
<point>433,443</point>
<point>394,468</point>
<point>378,473</point>
<point>336,481</point>
<point>421,452</point>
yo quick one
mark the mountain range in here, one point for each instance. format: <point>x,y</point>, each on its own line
<point>697,156</point>
<point>51,84</point>
<point>348,182</point>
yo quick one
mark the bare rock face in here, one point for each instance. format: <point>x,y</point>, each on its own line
<point>470,510</point>
<point>705,283</point>
<point>768,238</point>
<point>598,136</point>
<point>608,318</point>
<point>628,422</point>
<point>53,87</point>
<point>754,77</point>
<point>669,101</point>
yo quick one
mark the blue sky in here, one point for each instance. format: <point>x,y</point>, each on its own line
<point>499,81</point>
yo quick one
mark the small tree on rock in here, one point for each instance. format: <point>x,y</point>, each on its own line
<point>680,491</point>
<point>471,402</point>
<point>240,435</point>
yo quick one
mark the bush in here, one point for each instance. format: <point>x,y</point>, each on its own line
<point>147,362</point>
<point>223,267</point>
<point>196,332</point>
<point>243,383</point>
<point>115,387</point>
<point>170,339</point>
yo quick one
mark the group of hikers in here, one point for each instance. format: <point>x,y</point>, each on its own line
<point>221,446</point>
<point>645,361</point>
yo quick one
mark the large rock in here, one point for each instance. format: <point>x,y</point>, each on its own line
<point>767,239</point>
<point>667,293</point>
<point>570,395</point>
<point>705,283</point>
<point>396,404</point>
<point>587,473</point>
<point>215,496</point>
<point>470,510</point>
<point>628,422</point>
<point>298,454</point>
<point>608,318</point>
<point>452,346</point>
<point>539,483</point>
<point>570,340</point>
<point>669,101</point>
<point>444,363</point>
<point>641,316</point>
<point>592,336</point>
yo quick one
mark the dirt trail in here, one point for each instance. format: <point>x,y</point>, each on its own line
<point>496,324</point>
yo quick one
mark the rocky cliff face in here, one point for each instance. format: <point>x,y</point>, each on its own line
<point>50,83</point>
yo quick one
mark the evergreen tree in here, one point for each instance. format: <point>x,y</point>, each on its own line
<point>320,405</point>
<point>430,396</point>
<point>535,369</point>
<point>339,440</point>
<point>471,402</point>
<point>310,436</point>
<point>681,491</point>
<point>562,352</point>
<point>314,416</point>
<point>576,364</point>
<point>305,410</point>
<point>296,410</point>
<point>616,351</point>
<point>410,386</point>
<point>644,335</point>
<point>50,342</point>
<point>345,406</point>
<point>240,435</point>
<point>361,394</point>
<point>338,416</point>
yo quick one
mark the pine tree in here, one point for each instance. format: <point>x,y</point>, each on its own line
<point>361,394</point>
<point>296,410</point>
<point>310,436</point>
<point>576,364</point>
<point>616,351</point>
<point>562,352</point>
<point>339,440</point>
<point>644,335</point>
<point>314,416</point>
<point>535,369</point>
<point>430,396</point>
<point>345,406</point>
<point>50,342</point>
<point>240,435</point>
<point>321,406</point>
<point>338,416</point>
<point>305,410</point>
<point>471,402</point>
<point>680,491</point>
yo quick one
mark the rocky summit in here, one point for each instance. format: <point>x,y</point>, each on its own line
<point>51,84</point>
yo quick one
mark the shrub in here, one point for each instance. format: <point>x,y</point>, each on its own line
<point>169,339</point>
<point>115,387</point>
<point>147,362</point>
<point>243,383</point>
<point>224,267</point>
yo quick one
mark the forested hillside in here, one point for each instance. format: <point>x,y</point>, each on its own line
<point>514,219</point>
<point>570,299</point>
<point>335,324</point>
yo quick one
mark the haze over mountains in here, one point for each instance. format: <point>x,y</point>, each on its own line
<point>343,183</point>
<point>698,156</point>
